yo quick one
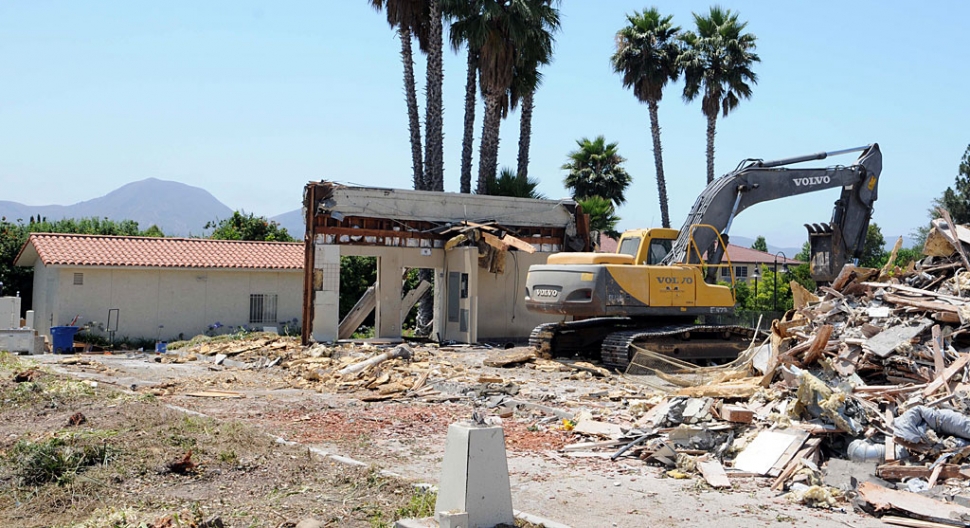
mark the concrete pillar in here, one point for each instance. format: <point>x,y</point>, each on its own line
<point>475,477</point>
<point>387,314</point>
<point>29,319</point>
<point>326,301</point>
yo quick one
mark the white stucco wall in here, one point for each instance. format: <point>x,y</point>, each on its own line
<point>183,301</point>
<point>501,300</point>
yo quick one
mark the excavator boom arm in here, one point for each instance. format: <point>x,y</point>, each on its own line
<point>758,181</point>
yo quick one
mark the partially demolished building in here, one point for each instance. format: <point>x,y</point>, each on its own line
<point>479,248</point>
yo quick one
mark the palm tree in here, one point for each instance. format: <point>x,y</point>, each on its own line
<point>434,177</point>
<point>456,10</point>
<point>602,216</point>
<point>717,62</point>
<point>509,183</point>
<point>406,16</point>
<point>646,55</point>
<point>535,52</point>
<point>498,30</point>
<point>595,170</point>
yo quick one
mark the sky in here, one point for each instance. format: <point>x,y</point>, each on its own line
<point>250,100</point>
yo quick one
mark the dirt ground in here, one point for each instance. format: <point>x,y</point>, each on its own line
<point>402,436</point>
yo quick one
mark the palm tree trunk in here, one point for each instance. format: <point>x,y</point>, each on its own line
<point>414,122</point>
<point>711,122</point>
<point>525,134</point>
<point>658,161</point>
<point>469,137</point>
<point>488,155</point>
<point>434,150</point>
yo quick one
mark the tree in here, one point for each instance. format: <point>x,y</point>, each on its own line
<point>956,199</point>
<point>595,169</point>
<point>407,16</point>
<point>646,55</point>
<point>716,62</point>
<point>536,51</point>
<point>498,31</point>
<point>240,226</point>
<point>602,216</point>
<point>509,183</point>
<point>760,244</point>
<point>873,252</point>
<point>434,177</point>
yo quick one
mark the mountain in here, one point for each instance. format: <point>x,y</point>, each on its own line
<point>178,209</point>
<point>744,241</point>
<point>292,221</point>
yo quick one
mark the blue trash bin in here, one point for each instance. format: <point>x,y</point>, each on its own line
<point>62,339</point>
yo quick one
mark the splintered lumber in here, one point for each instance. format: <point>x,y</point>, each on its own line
<point>930,306</point>
<point>510,357</point>
<point>411,298</point>
<point>937,345</point>
<point>896,471</point>
<point>911,523</point>
<point>735,389</point>
<point>400,351</point>
<point>365,305</point>
<point>713,473</point>
<point>519,244</point>
<point>495,242</point>
<point>818,344</point>
<point>810,447</point>
<point>948,373</point>
<point>883,499</point>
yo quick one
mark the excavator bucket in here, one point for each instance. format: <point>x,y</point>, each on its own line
<point>827,252</point>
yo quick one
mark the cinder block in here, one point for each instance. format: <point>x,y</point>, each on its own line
<point>475,476</point>
<point>453,520</point>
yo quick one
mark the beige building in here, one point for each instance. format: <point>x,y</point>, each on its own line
<point>144,287</point>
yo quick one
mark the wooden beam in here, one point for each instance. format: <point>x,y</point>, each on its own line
<point>365,305</point>
<point>518,243</point>
<point>411,297</point>
<point>948,373</point>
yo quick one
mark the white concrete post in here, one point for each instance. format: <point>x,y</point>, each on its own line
<point>475,476</point>
<point>387,313</point>
<point>326,302</point>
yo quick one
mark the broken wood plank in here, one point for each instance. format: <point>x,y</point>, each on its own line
<point>930,306</point>
<point>509,358</point>
<point>518,243</point>
<point>411,298</point>
<point>883,499</point>
<point>818,344</point>
<point>912,523</point>
<point>355,317</point>
<point>948,373</point>
<point>811,446</point>
<point>896,471</point>
<point>936,344</point>
<point>762,454</point>
<point>713,473</point>
<point>495,242</point>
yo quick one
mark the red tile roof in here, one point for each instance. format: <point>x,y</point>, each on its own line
<point>128,251</point>
<point>747,255</point>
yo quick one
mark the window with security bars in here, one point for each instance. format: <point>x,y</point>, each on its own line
<point>79,279</point>
<point>262,308</point>
<point>741,272</point>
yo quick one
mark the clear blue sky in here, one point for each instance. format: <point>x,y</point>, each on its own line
<point>251,100</point>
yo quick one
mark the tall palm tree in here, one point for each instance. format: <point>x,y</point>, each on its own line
<point>646,55</point>
<point>595,169</point>
<point>497,30</point>
<point>602,216</point>
<point>456,10</point>
<point>717,62</point>
<point>434,177</point>
<point>510,183</point>
<point>535,52</point>
<point>406,16</point>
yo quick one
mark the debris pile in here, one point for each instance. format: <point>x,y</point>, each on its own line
<point>866,382</point>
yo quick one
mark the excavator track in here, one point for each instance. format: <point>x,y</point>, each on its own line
<point>612,340</point>
<point>685,342</point>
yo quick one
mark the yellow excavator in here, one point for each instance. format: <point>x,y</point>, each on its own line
<point>651,292</point>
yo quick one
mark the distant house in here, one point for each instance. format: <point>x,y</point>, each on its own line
<point>744,260</point>
<point>147,287</point>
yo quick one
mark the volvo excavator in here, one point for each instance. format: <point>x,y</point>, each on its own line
<point>651,292</point>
